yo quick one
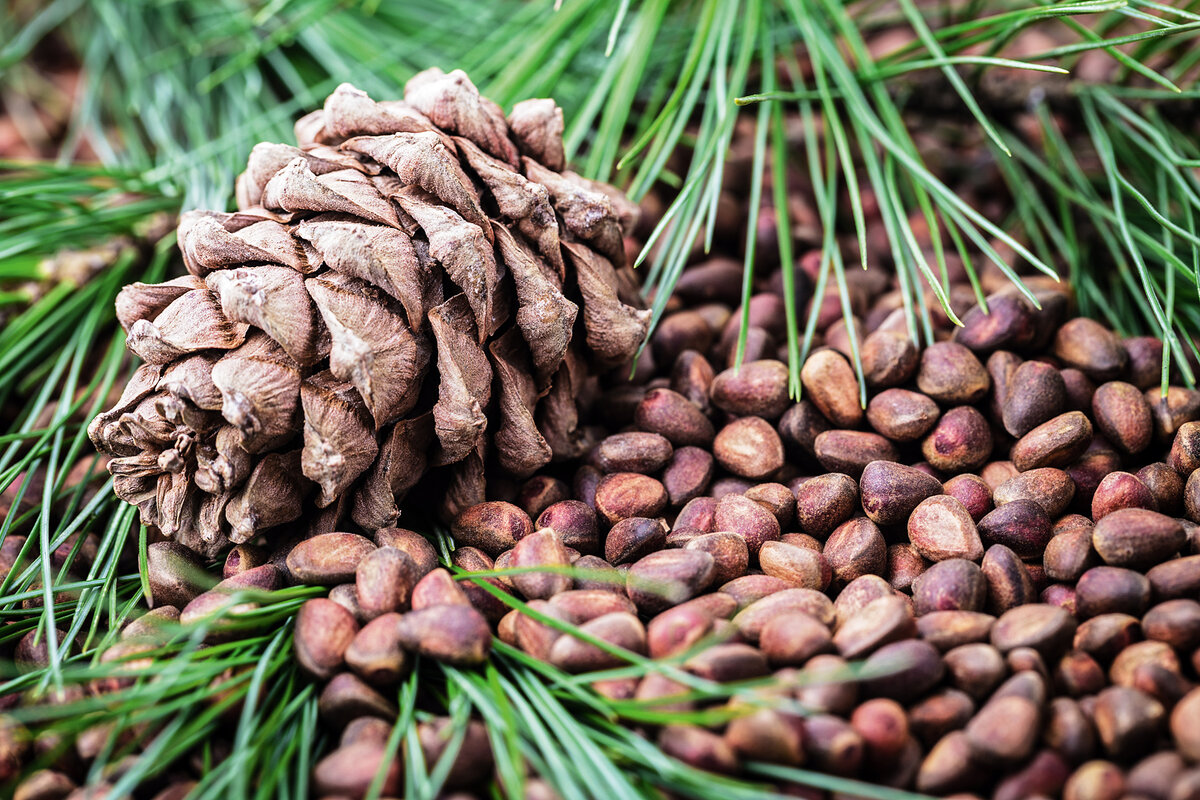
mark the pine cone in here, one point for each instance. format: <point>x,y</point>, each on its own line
<point>417,292</point>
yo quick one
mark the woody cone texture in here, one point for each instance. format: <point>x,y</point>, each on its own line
<point>418,291</point>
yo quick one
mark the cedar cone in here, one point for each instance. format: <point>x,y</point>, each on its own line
<point>396,298</point>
